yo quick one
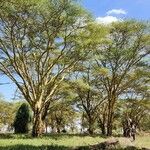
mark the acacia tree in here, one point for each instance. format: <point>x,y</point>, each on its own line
<point>136,105</point>
<point>39,47</point>
<point>61,115</point>
<point>7,112</point>
<point>127,46</point>
<point>88,98</point>
<point>82,81</point>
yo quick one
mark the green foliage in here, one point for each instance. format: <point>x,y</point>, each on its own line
<point>22,119</point>
<point>61,115</point>
<point>7,112</point>
<point>118,61</point>
<point>43,48</point>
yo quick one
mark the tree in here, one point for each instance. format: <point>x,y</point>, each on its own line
<point>127,46</point>
<point>22,119</point>
<point>7,112</point>
<point>88,99</point>
<point>61,116</point>
<point>83,83</point>
<point>40,44</point>
<point>61,113</point>
<point>102,117</point>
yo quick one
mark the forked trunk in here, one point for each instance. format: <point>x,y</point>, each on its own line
<point>38,123</point>
<point>39,119</point>
<point>110,120</point>
<point>102,125</point>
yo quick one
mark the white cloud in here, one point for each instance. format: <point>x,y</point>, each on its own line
<point>107,19</point>
<point>116,11</point>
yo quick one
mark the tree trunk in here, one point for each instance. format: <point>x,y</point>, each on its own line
<point>46,127</point>
<point>91,124</point>
<point>38,124</point>
<point>38,121</point>
<point>110,119</point>
<point>109,128</point>
<point>111,108</point>
<point>103,129</point>
<point>90,130</point>
<point>102,125</point>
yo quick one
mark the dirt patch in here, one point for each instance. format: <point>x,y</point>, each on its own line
<point>112,144</point>
<point>125,142</point>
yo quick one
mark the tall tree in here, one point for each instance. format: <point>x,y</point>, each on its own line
<point>83,83</point>
<point>136,104</point>
<point>39,46</point>
<point>127,46</point>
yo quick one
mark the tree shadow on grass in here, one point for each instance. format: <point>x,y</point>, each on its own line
<point>64,135</point>
<point>56,147</point>
<point>30,147</point>
<point>54,136</point>
<point>14,136</point>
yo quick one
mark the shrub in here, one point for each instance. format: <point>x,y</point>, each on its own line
<point>22,119</point>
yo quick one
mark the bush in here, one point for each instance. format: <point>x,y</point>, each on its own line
<point>22,119</point>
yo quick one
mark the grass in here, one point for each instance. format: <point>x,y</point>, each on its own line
<point>58,142</point>
<point>19,142</point>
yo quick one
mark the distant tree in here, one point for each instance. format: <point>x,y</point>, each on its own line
<point>7,112</point>
<point>22,119</point>
<point>61,117</point>
<point>136,104</point>
<point>61,114</point>
<point>87,100</point>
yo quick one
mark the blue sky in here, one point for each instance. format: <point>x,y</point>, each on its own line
<point>105,11</point>
<point>139,9</point>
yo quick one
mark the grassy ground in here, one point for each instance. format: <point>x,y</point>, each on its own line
<point>59,142</point>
